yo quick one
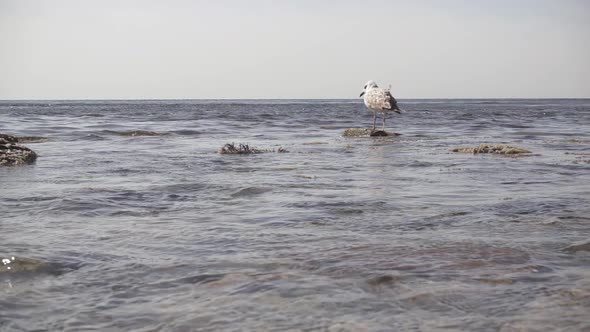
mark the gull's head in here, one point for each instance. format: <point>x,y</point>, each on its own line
<point>368,85</point>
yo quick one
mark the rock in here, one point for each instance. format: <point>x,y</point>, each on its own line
<point>356,132</point>
<point>365,132</point>
<point>493,149</point>
<point>134,133</point>
<point>12,154</point>
<point>231,148</point>
<point>23,139</point>
<point>19,264</point>
<point>8,139</point>
<point>585,246</point>
<point>383,280</point>
<point>32,139</point>
<point>578,140</point>
<point>379,133</point>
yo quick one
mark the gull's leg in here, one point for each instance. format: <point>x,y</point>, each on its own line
<point>383,128</point>
<point>374,120</point>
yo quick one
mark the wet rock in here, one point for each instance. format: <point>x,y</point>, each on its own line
<point>365,132</point>
<point>493,149</point>
<point>584,246</point>
<point>22,139</point>
<point>8,139</point>
<point>379,133</point>
<point>32,139</point>
<point>20,264</point>
<point>578,140</point>
<point>13,154</point>
<point>356,132</point>
<point>383,280</point>
<point>135,133</point>
<point>232,148</point>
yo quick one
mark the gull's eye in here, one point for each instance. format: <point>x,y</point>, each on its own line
<point>365,87</point>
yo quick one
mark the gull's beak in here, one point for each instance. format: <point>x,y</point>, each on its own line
<point>362,94</point>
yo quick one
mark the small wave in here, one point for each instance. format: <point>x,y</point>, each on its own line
<point>93,137</point>
<point>250,191</point>
<point>137,133</point>
<point>186,132</point>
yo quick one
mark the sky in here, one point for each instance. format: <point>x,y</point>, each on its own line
<point>229,49</point>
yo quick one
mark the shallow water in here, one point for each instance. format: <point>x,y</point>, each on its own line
<point>339,234</point>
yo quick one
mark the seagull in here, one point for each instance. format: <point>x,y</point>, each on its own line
<point>379,100</point>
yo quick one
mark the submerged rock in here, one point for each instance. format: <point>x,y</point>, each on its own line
<point>578,140</point>
<point>493,149</point>
<point>383,280</point>
<point>32,139</point>
<point>19,264</point>
<point>585,246</point>
<point>365,132</point>
<point>23,139</point>
<point>134,133</point>
<point>13,154</point>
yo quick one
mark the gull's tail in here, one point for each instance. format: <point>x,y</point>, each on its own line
<point>393,104</point>
<point>397,110</point>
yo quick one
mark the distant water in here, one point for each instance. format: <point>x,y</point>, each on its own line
<point>338,234</point>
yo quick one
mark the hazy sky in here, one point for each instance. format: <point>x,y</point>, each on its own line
<point>113,49</point>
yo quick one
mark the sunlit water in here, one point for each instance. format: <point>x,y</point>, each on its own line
<point>338,234</point>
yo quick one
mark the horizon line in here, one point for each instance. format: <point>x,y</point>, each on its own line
<point>319,99</point>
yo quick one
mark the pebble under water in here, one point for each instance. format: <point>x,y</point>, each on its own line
<point>137,223</point>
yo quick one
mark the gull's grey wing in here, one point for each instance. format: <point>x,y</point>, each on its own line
<point>383,100</point>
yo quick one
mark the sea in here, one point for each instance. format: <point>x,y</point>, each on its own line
<point>138,223</point>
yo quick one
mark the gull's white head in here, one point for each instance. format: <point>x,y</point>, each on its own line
<point>369,85</point>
